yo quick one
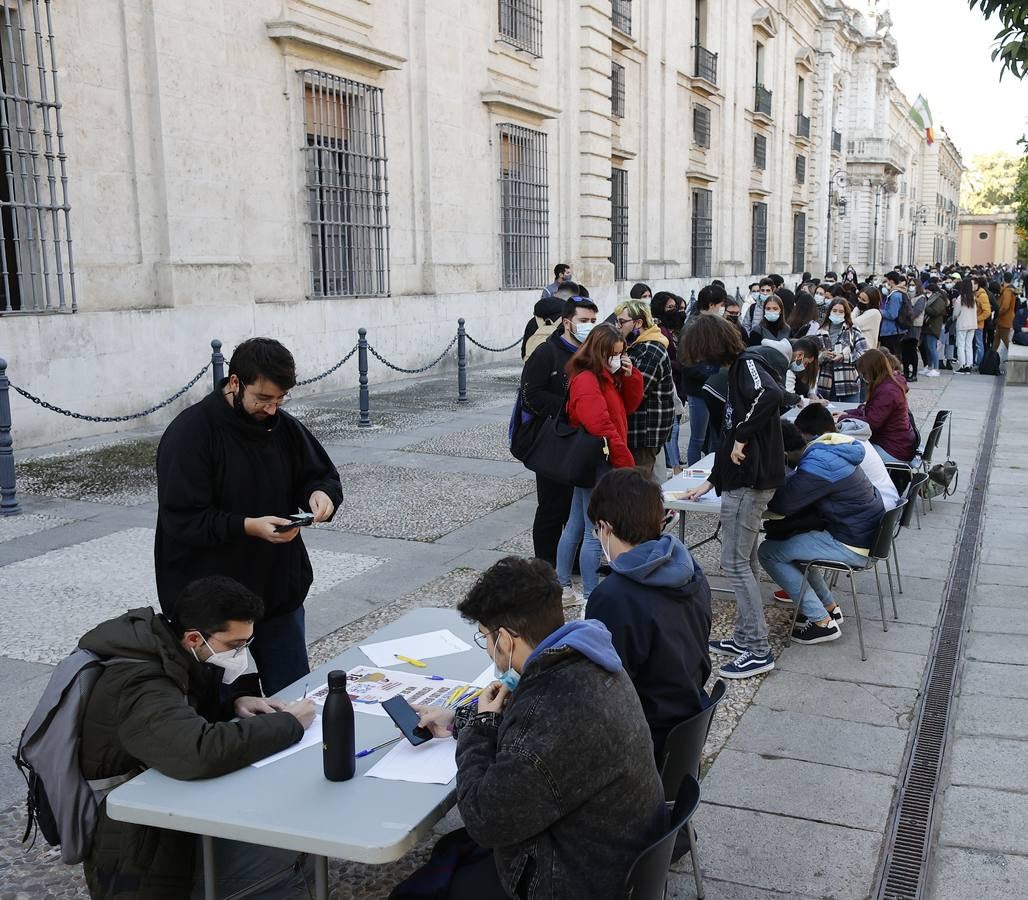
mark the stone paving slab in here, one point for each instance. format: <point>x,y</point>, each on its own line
<point>120,473</point>
<point>882,667</point>
<point>997,679</point>
<point>683,887</point>
<point>845,700</point>
<point>486,441</point>
<point>14,527</point>
<point>988,762</point>
<point>1011,576</point>
<point>1013,648</point>
<point>799,789</point>
<point>980,714</point>
<point>900,637</point>
<point>997,620</point>
<point>961,873</point>
<point>1000,596</point>
<point>991,820</point>
<point>912,611</point>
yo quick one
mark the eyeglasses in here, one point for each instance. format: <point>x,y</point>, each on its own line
<point>236,650</point>
<point>623,322</point>
<point>265,401</point>
<point>482,639</point>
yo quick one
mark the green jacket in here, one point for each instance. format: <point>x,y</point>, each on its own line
<point>162,712</point>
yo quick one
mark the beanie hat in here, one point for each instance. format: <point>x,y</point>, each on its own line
<point>782,346</point>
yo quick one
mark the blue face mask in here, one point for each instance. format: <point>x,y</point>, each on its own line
<point>511,677</point>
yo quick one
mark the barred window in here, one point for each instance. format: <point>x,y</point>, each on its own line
<point>619,223</point>
<point>35,229</point>
<point>759,151</point>
<point>347,187</point>
<point>524,206</point>
<point>799,242</point>
<point>801,169</point>
<point>617,90</point>
<point>521,24</point>
<point>702,231</point>
<point>701,126</point>
<point>759,238</point>
<point>621,15</point>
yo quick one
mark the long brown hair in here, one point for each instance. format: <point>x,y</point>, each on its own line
<point>598,347</point>
<point>846,308</point>
<point>876,367</point>
<point>709,339</point>
<point>874,296</point>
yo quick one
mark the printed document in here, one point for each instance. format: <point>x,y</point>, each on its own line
<point>433,762</point>
<point>416,646</point>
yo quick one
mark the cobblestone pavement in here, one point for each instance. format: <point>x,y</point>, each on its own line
<point>433,498</point>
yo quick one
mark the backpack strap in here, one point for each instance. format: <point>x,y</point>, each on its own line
<point>101,787</point>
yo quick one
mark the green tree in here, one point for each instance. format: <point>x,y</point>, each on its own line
<point>1020,204</point>
<point>988,185</point>
<point>1012,39</point>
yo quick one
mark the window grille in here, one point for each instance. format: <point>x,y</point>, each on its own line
<point>702,231</point>
<point>347,187</point>
<point>802,125</point>
<point>621,15</point>
<point>705,66</point>
<point>617,90</point>
<point>836,141</point>
<point>36,261</point>
<point>619,223</point>
<point>799,242</point>
<point>524,206</point>
<point>759,238</point>
<point>701,126</point>
<point>801,170</point>
<point>521,24</point>
<point>762,100</point>
<point>759,151</point>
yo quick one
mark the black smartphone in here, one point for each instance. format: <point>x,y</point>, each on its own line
<point>406,719</point>
<point>296,521</point>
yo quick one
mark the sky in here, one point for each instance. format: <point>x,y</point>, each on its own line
<point>944,54</point>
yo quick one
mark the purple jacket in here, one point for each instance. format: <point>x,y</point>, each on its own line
<point>887,413</point>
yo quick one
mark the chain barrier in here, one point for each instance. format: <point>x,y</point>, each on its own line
<point>128,418</point>
<point>434,362</point>
<point>493,349</point>
<point>328,372</point>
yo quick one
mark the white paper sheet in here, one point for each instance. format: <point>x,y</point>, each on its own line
<point>487,677</point>
<point>709,497</point>
<point>310,737</point>
<point>416,646</point>
<point>434,762</point>
<point>368,687</point>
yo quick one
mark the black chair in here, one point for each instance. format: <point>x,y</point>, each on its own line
<point>901,475</point>
<point>923,458</point>
<point>647,879</point>
<point>913,490</point>
<point>881,549</point>
<point>683,753</point>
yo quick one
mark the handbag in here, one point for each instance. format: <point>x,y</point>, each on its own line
<point>566,454</point>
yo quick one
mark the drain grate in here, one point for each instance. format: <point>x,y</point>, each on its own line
<point>907,849</point>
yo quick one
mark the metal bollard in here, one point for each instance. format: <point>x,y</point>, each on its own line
<point>362,366</point>
<point>738,295</point>
<point>217,363</point>
<point>462,364</point>
<point>692,297</point>
<point>8,498</point>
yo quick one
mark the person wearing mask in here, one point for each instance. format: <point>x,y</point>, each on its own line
<point>804,320</point>
<point>850,275</point>
<point>604,388</point>
<point>984,313</point>
<point>649,426</point>
<point>166,702</point>
<point>801,378</point>
<point>868,317</point>
<point>966,315</point>
<point>886,409</point>
<point>229,470</point>
<point>555,768</point>
<point>755,314</point>
<point>544,384</point>
<point>640,291</point>
<point>822,297</point>
<point>931,329</point>
<point>830,279</point>
<point>561,275</point>
<point>910,340</point>
<point>733,315</point>
<point>749,301</point>
<point>748,467</point>
<point>1005,315</point>
<point>709,302</point>
<point>891,332</point>
<point>545,320</point>
<point>772,325</point>
<point>841,344</point>
<point>668,312</point>
<point>655,603</point>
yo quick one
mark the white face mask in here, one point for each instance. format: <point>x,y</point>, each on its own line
<point>614,364</point>
<point>797,366</point>
<point>836,318</point>
<point>721,311</point>
<point>772,316</point>
<point>582,330</point>
<point>233,662</point>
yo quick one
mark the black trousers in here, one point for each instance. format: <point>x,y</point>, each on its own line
<point>554,507</point>
<point>891,342</point>
<point>477,881</point>
<point>908,348</point>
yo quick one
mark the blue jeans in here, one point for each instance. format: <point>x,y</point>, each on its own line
<point>847,399</point>
<point>779,561</point>
<point>280,650</point>
<point>579,528</point>
<point>932,345</point>
<point>979,345</point>
<point>672,454</point>
<point>889,458</point>
<point>741,511</point>
<point>699,419</point>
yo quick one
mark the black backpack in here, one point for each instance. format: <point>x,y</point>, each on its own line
<point>905,316</point>
<point>990,363</point>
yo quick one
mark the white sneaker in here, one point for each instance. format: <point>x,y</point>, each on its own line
<point>931,373</point>
<point>569,596</point>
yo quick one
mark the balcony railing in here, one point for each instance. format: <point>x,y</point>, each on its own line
<point>802,125</point>
<point>836,141</point>
<point>762,100</point>
<point>880,151</point>
<point>621,16</point>
<point>706,64</point>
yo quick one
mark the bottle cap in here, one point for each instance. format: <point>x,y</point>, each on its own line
<point>337,680</point>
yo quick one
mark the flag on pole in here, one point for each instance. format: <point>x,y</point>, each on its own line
<point>921,114</point>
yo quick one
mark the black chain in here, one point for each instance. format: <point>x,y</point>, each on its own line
<point>434,362</point>
<point>139,415</point>
<point>493,349</point>
<point>328,372</point>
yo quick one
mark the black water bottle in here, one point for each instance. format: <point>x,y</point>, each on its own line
<point>337,730</point>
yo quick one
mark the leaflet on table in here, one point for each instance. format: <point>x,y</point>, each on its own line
<point>433,762</point>
<point>442,642</point>
<point>310,737</point>
<point>709,497</point>
<point>368,687</point>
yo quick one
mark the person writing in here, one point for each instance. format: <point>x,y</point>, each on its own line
<point>886,409</point>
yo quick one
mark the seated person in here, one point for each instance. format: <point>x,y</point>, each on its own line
<point>829,481</point>
<point>162,708</point>
<point>886,409</point>
<point>555,770</point>
<point>655,603</point>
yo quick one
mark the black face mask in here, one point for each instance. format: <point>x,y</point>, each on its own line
<point>674,318</point>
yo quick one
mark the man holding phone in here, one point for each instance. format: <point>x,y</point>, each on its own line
<point>232,470</point>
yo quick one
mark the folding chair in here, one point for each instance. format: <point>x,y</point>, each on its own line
<point>901,475</point>
<point>917,482</point>
<point>647,879</point>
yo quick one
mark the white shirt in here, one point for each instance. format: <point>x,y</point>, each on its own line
<point>874,468</point>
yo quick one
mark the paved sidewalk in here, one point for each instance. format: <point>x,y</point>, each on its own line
<point>432,498</point>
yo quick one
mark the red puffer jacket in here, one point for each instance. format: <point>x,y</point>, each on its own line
<point>597,405</point>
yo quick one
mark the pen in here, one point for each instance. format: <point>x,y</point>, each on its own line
<point>413,662</point>
<point>435,678</point>
<point>305,686</point>
<point>455,693</point>
<point>371,750</point>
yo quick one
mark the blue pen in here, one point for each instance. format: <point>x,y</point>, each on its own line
<point>435,678</point>
<point>371,750</point>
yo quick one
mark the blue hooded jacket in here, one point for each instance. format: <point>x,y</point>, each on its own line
<point>656,606</point>
<point>591,639</point>
<point>829,478</point>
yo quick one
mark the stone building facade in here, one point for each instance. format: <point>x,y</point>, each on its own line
<point>988,238</point>
<point>302,168</point>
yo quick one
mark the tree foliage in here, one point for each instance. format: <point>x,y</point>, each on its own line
<point>1012,39</point>
<point>988,184</point>
<point>1020,204</point>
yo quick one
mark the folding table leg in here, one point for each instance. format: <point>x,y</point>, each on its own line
<point>210,872</point>
<point>321,877</point>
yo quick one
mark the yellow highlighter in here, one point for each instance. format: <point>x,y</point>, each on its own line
<point>413,662</point>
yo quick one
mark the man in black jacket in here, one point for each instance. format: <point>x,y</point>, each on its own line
<point>543,390</point>
<point>229,471</point>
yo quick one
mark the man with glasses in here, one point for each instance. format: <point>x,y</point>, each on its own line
<point>230,470</point>
<point>158,704</point>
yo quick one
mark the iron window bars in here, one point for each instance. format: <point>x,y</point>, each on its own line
<point>762,100</point>
<point>802,125</point>
<point>347,186</point>
<point>619,223</point>
<point>759,238</point>
<point>705,64</point>
<point>702,231</point>
<point>801,169</point>
<point>621,16</point>
<point>617,90</point>
<point>524,206</point>
<point>38,268</point>
<point>836,141</point>
<point>759,151</point>
<point>521,24</point>
<point>799,242</point>
<point>701,126</point>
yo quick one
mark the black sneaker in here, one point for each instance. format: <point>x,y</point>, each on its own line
<point>836,614</point>
<point>747,665</point>
<point>812,633</point>
<point>726,647</point>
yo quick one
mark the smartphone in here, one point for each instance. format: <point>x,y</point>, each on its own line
<point>295,521</point>
<point>406,719</point>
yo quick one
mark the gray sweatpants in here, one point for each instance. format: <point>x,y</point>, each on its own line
<point>741,511</point>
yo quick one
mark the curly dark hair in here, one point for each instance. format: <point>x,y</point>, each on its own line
<point>521,595</point>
